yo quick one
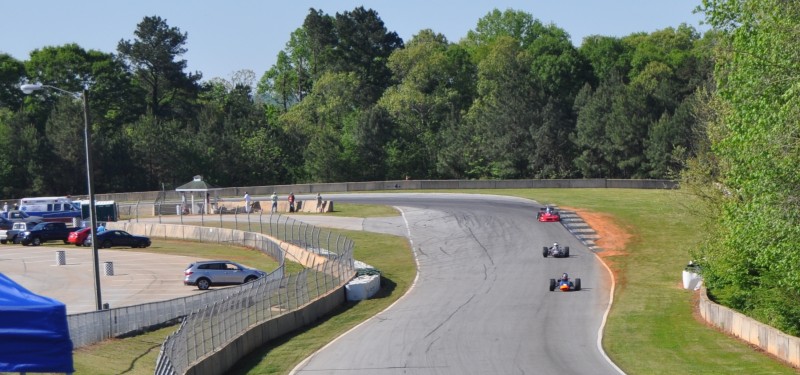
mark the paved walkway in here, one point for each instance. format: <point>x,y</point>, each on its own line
<point>137,277</point>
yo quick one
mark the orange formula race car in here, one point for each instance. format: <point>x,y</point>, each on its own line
<point>564,284</point>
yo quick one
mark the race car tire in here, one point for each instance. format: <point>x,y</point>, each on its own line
<point>566,251</point>
<point>577,284</point>
<point>544,252</point>
<point>552,284</point>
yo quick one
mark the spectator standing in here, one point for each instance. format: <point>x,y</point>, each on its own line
<point>291,202</point>
<point>247,201</point>
<point>101,228</point>
<point>319,202</point>
<point>5,206</point>
<point>274,201</point>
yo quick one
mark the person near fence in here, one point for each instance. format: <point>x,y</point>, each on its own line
<point>291,202</point>
<point>5,206</point>
<point>247,201</point>
<point>274,201</point>
<point>319,202</point>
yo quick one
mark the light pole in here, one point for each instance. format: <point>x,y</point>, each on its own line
<point>29,88</point>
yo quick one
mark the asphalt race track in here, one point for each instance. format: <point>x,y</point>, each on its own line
<point>481,303</point>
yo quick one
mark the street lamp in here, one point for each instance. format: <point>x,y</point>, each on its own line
<point>30,88</point>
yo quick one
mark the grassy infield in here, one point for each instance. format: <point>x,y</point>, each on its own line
<point>651,329</point>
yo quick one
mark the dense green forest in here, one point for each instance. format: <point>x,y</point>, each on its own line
<point>748,170</point>
<point>349,100</point>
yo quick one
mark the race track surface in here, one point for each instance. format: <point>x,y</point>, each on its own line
<point>481,303</point>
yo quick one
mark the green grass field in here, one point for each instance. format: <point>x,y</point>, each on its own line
<point>651,329</point>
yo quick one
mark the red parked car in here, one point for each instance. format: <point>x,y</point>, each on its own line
<point>78,237</point>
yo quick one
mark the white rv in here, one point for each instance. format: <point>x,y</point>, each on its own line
<point>51,208</point>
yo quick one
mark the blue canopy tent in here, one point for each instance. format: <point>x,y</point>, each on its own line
<point>34,336</point>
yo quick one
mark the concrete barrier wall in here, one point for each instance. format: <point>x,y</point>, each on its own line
<point>783,346</point>
<point>222,360</point>
<point>641,184</point>
<point>596,183</point>
<point>208,234</point>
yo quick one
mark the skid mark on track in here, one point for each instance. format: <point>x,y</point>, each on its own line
<point>449,316</point>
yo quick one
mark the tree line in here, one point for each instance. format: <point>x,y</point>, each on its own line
<point>747,167</point>
<point>349,100</point>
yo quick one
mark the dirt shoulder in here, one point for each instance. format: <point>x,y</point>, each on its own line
<point>613,237</point>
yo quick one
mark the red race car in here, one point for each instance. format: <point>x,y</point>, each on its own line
<point>548,214</point>
<point>78,237</point>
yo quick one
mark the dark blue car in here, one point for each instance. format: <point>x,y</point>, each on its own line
<point>114,237</point>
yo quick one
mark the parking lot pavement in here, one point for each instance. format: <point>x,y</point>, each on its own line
<point>137,277</point>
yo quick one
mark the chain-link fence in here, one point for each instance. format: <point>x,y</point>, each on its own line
<point>91,327</point>
<point>207,330</point>
<point>329,259</point>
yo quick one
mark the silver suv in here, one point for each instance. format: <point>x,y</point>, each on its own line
<point>205,274</point>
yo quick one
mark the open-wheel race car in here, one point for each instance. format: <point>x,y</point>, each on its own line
<point>564,284</point>
<point>548,214</point>
<point>555,251</point>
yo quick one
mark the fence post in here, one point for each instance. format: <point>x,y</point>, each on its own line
<point>328,247</point>
<point>303,236</point>
<point>285,226</point>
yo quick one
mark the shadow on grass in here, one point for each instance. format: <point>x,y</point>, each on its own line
<point>254,359</point>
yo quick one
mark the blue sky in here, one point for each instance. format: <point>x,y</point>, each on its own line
<point>227,36</point>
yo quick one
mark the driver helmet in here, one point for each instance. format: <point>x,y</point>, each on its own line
<point>564,276</point>
<point>555,244</point>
